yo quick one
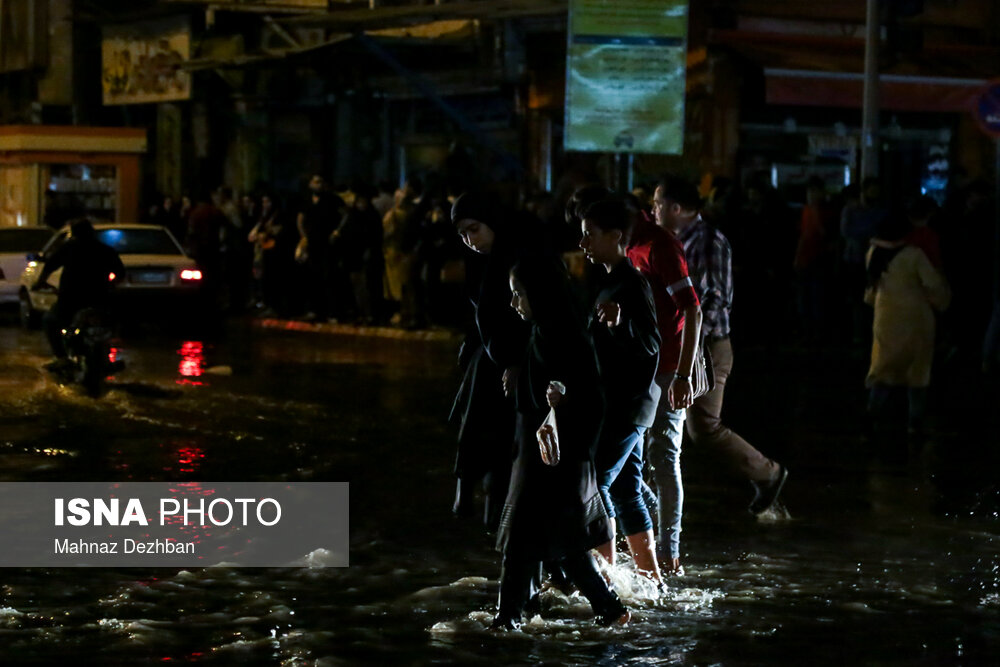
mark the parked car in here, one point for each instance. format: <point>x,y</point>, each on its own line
<point>156,269</point>
<point>16,243</point>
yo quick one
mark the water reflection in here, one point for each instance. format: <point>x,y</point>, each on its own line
<point>192,363</point>
<point>869,572</point>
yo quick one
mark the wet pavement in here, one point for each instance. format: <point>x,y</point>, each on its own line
<point>883,552</point>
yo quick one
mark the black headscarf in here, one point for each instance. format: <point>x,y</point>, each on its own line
<point>478,206</point>
<point>560,342</point>
<point>888,241</point>
<point>554,309</point>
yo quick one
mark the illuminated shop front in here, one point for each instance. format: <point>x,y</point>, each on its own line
<point>49,173</point>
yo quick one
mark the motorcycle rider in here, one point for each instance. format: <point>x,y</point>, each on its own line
<point>90,269</point>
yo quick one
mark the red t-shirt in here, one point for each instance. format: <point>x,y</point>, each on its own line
<point>659,257</point>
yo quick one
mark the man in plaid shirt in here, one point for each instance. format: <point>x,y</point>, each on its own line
<point>709,259</point>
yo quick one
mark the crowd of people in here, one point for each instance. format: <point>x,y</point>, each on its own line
<point>385,255</point>
<point>607,373</point>
<point>358,254</point>
<point>581,378</point>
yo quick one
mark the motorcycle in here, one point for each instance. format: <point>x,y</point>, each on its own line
<point>88,344</point>
<point>87,341</point>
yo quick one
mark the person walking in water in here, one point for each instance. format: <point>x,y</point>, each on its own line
<point>659,257</point>
<point>490,356</point>
<point>709,258</point>
<point>623,326</point>
<point>554,512</point>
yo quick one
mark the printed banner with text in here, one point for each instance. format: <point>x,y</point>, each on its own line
<point>625,76</point>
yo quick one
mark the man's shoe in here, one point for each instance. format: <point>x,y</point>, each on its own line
<point>766,493</point>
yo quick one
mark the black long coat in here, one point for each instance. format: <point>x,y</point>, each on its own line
<point>556,511</point>
<point>484,415</point>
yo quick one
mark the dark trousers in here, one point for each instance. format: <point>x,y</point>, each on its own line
<point>318,287</point>
<point>878,398</point>
<point>519,581</point>
<point>704,423</point>
<point>55,320</point>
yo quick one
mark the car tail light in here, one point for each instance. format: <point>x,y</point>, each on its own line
<point>190,274</point>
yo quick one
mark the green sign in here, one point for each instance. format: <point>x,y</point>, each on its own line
<point>625,76</point>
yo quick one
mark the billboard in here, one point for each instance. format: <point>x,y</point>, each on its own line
<point>140,62</point>
<point>625,76</point>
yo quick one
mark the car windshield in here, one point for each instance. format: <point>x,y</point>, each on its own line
<point>24,240</point>
<point>139,241</point>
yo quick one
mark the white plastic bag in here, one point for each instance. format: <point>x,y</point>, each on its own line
<point>548,439</point>
<point>548,432</point>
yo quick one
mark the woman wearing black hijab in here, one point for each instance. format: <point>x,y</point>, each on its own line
<point>491,355</point>
<point>554,513</point>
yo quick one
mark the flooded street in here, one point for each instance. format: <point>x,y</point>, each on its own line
<point>883,552</point>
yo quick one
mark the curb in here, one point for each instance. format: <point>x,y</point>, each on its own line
<point>359,331</point>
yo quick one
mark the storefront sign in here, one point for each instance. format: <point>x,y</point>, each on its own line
<point>625,76</point>
<point>141,62</point>
<point>987,110</point>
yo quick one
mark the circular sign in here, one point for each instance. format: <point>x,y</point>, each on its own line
<point>987,109</point>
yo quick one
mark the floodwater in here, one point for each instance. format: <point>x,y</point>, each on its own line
<point>883,553</point>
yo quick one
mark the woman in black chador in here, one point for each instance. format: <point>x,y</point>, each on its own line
<point>554,513</point>
<point>491,355</point>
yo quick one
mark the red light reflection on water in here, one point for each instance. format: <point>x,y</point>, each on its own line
<point>190,457</point>
<point>192,531</point>
<point>192,363</point>
<point>181,456</point>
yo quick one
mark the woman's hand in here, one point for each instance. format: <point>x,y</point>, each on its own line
<point>610,313</point>
<point>509,379</point>
<point>555,394</point>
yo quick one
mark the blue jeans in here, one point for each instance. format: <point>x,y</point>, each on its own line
<point>665,456</point>
<point>619,478</point>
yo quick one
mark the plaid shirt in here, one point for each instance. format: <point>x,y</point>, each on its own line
<point>710,261</point>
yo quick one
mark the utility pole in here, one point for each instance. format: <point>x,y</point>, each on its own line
<point>870,144</point>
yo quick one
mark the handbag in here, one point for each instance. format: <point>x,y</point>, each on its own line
<point>702,372</point>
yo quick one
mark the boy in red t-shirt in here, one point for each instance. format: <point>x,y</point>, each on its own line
<point>659,257</point>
